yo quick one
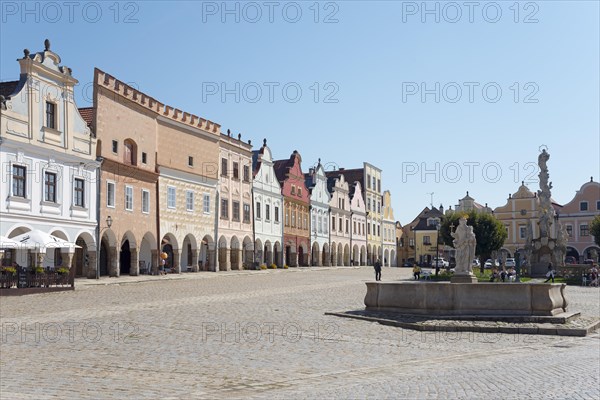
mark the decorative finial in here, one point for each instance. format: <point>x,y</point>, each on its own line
<point>47,45</point>
<point>319,160</point>
<point>239,136</point>
<point>26,52</point>
<point>522,183</point>
<point>264,142</point>
<point>249,141</point>
<point>591,179</point>
<point>467,192</point>
<point>229,132</point>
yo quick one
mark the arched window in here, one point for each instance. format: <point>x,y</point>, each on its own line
<point>129,154</point>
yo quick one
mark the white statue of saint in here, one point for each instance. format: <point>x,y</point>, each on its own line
<point>464,242</point>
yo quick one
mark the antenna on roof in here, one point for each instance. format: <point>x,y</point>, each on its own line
<point>431,201</point>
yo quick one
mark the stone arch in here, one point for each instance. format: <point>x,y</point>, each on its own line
<point>588,252</point>
<point>291,257</point>
<point>189,254</point>
<point>247,253</point>
<point>363,255</point>
<point>325,256</point>
<point>315,255</point>
<point>235,250</point>
<point>224,262</point>
<point>206,258</point>
<point>386,258</point>
<point>393,261</point>
<point>277,254</point>
<point>148,254</point>
<point>129,152</point>
<point>84,258</point>
<point>108,254</point>
<point>572,252</point>
<point>260,252</point>
<point>340,255</point>
<point>303,254</point>
<point>355,255</point>
<point>346,255</point>
<point>128,255</point>
<point>333,253</point>
<point>170,246</point>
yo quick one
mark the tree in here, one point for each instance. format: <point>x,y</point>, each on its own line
<point>595,229</point>
<point>489,231</point>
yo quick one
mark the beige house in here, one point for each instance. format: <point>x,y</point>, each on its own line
<point>236,243</point>
<point>576,216</point>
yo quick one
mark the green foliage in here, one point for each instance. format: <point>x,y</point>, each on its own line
<point>285,267</point>
<point>263,266</point>
<point>595,229</point>
<point>489,231</point>
<point>63,270</point>
<point>9,270</point>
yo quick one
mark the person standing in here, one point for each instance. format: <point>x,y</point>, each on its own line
<point>550,273</point>
<point>417,272</point>
<point>377,270</point>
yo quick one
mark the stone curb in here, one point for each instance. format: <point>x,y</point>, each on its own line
<point>538,330</point>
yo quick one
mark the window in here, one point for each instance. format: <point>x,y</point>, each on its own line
<point>354,227</point>
<point>276,214</point>
<point>426,240</point>
<point>363,228</point>
<point>50,187</point>
<point>115,146</point>
<point>373,183</point>
<point>236,210</point>
<point>320,224</point>
<point>378,207</point>
<point>171,197</point>
<point>411,242</point>
<point>145,201</point>
<point>299,191</point>
<point>267,212</point>
<point>522,232</point>
<point>19,181</point>
<point>144,158</point>
<point>189,200</point>
<point>247,213</point>
<point>224,208</point>
<point>236,170</point>
<point>583,206</point>
<point>257,212</point>
<point>570,230</point>
<point>190,161</point>
<point>347,226</point>
<point>293,189</point>
<point>369,229</point>
<point>373,229</point>
<point>378,230</point>
<point>305,222</point>
<point>368,181</point>
<point>293,219</point>
<point>128,198</point>
<point>223,167</point>
<point>369,204</point>
<point>314,222</point>
<point>110,194</point>
<point>129,152</point>
<point>584,230</point>
<point>246,173</point>
<point>333,223</point>
<point>206,204</point>
<point>50,115</point>
<point>78,192</point>
<point>340,225</point>
<point>287,218</point>
<point>598,205</point>
<point>379,185</point>
<point>325,220</point>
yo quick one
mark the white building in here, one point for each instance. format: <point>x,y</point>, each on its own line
<point>341,221</point>
<point>48,163</point>
<point>268,209</point>
<point>316,182</point>
<point>389,232</point>
<point>358,241</point>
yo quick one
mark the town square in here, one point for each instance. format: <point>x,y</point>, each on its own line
<point>239,199</point>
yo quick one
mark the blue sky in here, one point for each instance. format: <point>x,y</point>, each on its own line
<point>461,103</point>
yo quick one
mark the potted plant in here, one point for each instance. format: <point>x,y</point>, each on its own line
<point>62,271</point>
<point>9,271</point>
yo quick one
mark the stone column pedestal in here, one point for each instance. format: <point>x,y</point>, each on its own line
<point>470,278</point>
<point>91,267</point>
<point>134,270</point>
<point>195,266</point>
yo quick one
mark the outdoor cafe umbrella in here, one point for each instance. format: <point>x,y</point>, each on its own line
<point>37,239</point>
<point>6,243</point>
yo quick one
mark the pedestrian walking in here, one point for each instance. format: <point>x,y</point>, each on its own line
<point>417,272</point>
<point>377,270</point>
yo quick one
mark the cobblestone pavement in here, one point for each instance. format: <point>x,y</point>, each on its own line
<point>263,334</point>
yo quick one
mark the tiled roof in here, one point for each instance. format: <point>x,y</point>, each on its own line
<point>350,175</point>
<point>87,113</point>
<point>8,88</point>
<point>281,168</point>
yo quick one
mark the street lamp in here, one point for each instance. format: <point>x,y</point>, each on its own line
<point>109,222</point>
<point>437,246</point>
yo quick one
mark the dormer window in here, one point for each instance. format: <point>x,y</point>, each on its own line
<point>50,115</point>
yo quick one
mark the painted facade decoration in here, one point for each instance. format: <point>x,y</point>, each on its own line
<point>48,156</point>
<point>358,240</point>
<point>341,221</point>
<point>316,182</point>
<point>268,209</point>
<point>296,234</point>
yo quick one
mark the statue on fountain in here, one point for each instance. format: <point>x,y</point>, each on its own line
<point>464,242</point>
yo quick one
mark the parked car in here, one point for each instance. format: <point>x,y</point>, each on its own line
<point>589,261</point>
<point>510,262</point>
<point>440,262</point>
<point>488,264</point>
<point>408,264</point>
<point>476,262</point>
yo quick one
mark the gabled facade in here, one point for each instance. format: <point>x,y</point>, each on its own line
<point>268,209</point>
<point>388,232</point>
<point>341,220</point>
<point>373,198</point>
<point>358,239</point>
<point>316,182</point>
<point>236,246</point>
<point>126,132</point>
<point>576,217</point>
<point>424,235</point>
<point>49,167</point>
<point>468,203</point>
<point>296,234</point>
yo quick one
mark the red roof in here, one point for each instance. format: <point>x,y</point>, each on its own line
<point>87,113</point>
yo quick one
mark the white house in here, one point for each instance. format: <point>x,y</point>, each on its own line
<point>268,209</point>
<point>341,221</point>
<point>49,167</point>
<point>316,182</point>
